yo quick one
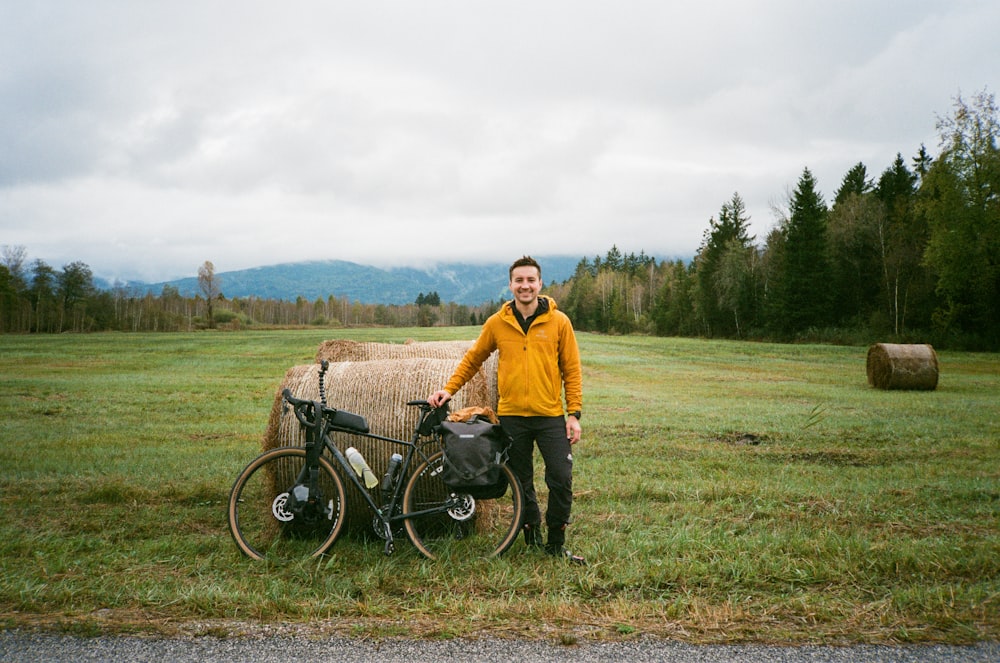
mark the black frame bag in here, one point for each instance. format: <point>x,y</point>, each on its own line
<point>474,450</point>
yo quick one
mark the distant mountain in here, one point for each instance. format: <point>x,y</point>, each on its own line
<point>470,284</point>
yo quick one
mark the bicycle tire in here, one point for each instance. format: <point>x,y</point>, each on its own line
<point>475,529</point>
<point>263,528</point>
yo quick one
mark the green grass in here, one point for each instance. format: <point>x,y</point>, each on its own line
<point>856,515</point>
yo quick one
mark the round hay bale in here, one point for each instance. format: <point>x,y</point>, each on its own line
<point>377,390</point>
<point>897,366</point>
<point>348,350</point>
<point>340,350</point>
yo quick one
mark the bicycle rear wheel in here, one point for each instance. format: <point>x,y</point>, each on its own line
<point>262,520</point>
<point>446,525</point>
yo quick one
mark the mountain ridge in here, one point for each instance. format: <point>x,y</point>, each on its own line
<point>462,283</point>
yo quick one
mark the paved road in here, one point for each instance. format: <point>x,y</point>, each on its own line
<point>17,646</point>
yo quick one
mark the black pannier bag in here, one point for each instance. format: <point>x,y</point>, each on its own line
<point>474,450</point>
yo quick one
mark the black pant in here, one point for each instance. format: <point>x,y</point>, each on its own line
<point>550,435</point>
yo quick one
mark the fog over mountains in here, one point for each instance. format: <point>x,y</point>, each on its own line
<point>469,284</point>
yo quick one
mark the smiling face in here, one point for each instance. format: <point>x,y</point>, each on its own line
<point>525,284</point>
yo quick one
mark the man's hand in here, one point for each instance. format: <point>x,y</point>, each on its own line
<point>573,430</point>
<point>439,398</point>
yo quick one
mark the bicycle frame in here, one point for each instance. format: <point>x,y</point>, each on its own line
<point>291,501</point>
<point>318,431</point>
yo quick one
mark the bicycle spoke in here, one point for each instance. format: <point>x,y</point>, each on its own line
<point>261,517</point>
<point>443,524</point>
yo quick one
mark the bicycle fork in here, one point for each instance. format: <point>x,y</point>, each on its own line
<point>305,500</point>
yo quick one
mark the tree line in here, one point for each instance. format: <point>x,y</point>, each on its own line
<point>912,255</point>
<point>35,298</point>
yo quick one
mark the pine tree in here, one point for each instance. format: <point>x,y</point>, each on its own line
<point>730,230</point>
<point>855,182</point>
<point>852,235</point>
<point>922,162</point>
<point>803,289</point>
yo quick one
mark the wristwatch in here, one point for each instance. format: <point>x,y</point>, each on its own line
<point>576,414</point>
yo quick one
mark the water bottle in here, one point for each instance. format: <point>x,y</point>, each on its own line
<point>357,461</point>
<point>390,475</point>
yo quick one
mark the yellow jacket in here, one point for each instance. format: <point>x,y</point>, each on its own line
<point>533,368</point>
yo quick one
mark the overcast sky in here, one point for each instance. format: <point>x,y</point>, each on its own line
<point>144,138</point>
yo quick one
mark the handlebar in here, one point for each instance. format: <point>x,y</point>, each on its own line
<point>299,406</point>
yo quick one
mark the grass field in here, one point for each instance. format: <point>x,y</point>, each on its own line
<point>851,515</point>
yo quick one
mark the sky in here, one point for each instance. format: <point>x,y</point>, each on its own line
<point>144,138</point>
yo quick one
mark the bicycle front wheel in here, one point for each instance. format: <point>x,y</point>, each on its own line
<point>445,524</point>
<point>262,519</point>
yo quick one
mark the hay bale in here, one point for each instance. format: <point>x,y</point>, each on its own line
<point>348,350</point>
<point>378,390</point>
<point>341,350</point>
<point>896,366</point>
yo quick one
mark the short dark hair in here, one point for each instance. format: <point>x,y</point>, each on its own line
<point>524,261</point>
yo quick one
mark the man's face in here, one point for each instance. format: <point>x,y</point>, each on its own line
<point>525,283</point>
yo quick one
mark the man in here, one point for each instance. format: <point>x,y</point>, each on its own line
<point>538,360</point>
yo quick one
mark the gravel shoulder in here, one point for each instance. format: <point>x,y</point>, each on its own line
<point>17,645</point>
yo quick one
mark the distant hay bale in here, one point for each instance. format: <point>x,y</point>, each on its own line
<point>896,366</point>
<point>377,389</point>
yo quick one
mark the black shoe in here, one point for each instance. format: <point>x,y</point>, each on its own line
<point>533,535</point>
<point>559,551</point>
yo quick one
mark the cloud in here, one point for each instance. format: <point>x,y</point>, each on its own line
<point>144,139</point>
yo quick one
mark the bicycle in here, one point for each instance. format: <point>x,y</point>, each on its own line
<point>289,502</point>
